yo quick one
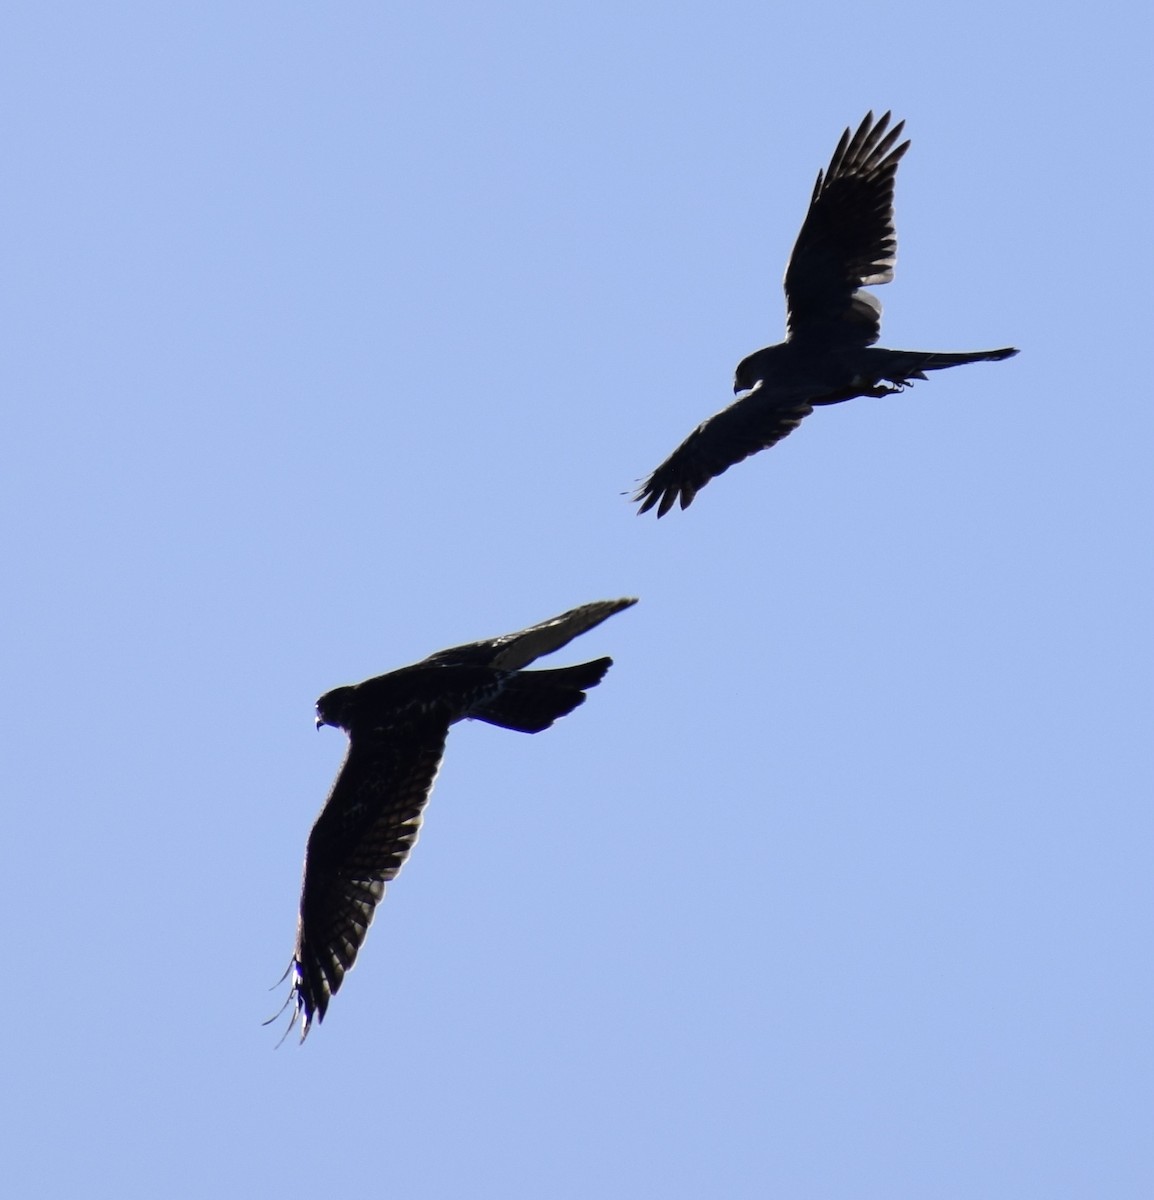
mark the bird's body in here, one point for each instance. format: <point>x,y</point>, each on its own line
<point>847,242</point>
<point>397,726</point>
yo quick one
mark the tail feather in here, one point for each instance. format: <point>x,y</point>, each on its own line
<point>903,365</point>
<point>532,700</point>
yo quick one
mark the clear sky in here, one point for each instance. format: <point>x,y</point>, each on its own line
<point>333,335</point>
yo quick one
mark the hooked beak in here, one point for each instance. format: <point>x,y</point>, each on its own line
<point>320,721</point>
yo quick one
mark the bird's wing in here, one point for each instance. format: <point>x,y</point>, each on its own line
<point>847,240</point>
<point>360,841</point>
<point>517,650</point>
<point>752,423</point>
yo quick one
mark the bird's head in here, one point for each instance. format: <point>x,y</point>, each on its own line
<point>336,708</point>
<point>748,375</point>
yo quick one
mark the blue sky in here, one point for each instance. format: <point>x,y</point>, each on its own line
<point>333,335</point>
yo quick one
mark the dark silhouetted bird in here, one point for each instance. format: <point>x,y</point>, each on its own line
<point>397,725</point>
<point>847,242</point>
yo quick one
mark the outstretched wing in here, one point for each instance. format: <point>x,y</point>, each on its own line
<point>516,650</point>
<point>750,424</point>
<point>359,843</point>
<point>847,240</point>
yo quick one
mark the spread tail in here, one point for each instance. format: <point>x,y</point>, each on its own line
<point>532,700</point>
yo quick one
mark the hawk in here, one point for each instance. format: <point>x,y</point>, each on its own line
<point>397,725</point>
<point>847,242</point>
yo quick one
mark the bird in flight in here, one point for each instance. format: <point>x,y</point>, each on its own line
<point>397,725</point>
<point>847,242</point>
